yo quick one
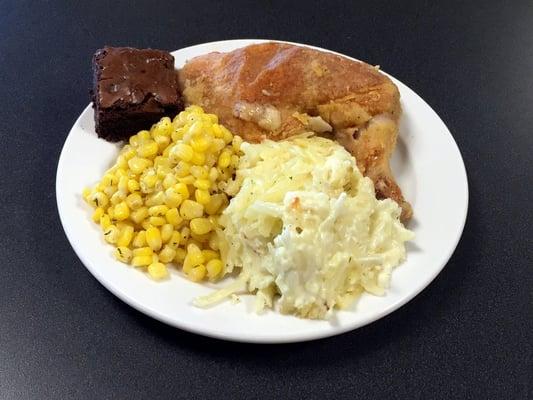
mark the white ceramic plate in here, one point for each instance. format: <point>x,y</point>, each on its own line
<point>427,164</point>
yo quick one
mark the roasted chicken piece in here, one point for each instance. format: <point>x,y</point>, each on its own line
<point>275,90</point>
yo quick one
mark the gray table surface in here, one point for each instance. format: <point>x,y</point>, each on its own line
<point>467,336</point>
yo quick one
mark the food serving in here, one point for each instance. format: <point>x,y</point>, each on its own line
<point>277,173</point>
<point>304,224</point>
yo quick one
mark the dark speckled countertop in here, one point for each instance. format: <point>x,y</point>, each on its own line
<point>467,336</point>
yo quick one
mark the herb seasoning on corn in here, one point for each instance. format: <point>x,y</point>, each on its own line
<point>160,202</point>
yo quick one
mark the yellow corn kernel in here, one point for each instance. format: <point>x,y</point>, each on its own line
<point>202,184</point>
<point>155,199</point>
<point>234,161</point>
<point>179,258</point>
<point>153,238</point>
<point>143,136</point>
<point>214,242</point>
<point>214,220</point>
<point>148,182</point>
<point>215,202</point>
<point>139,240</point>
<point>157,221</point>
<point>181,151</point>
<point>172,198</point>
<point>146,224</point>
<point>194,257</point>
<point>217,131</point>
<point>200,226</point>
<point>118,197</point>
<point>224,160</point>
<point>169,181</point>
<point>197,127</point>
<point>210,159</point>
<point>141,261</point>
<point>181,189</point>
<point>214,268</point>
<point>199,172</point>
<point>111,234</point>
<point>148,149</point>
<point>133,185</point>
<point>190,209</point>
<point>111,211</point>
<point>198,158</point>
<point>213,174</point>
<point>178,134</point>
<point>173,217</point>
<point>174,240</point>
<point>98,213</point>
<point>166,154</point>
<point>123,224</point>
<point>134,141</point>
<point>139,215</point>
<point>128,152</point>
<point>162,142</point>
<point>226,135</point>
<point>217,145</point>
<point>138,165</point>
<point>163,171</point>
<point>105,221</point>
<point>167,254</point>
<point>121,211</point>
<point>98,199</point>
<point>122,165</point>
<point>185,234</point>
<point>157,211</point>
<point>210,255</point>
<point>161,161</point>
<point>202,196</point>
<point>134,201</point>
<point>236,143</point>
<point>123,184</point>
<point>123,254</point>
<point>109,190</point>
<point>166,232</point>
<point>195,250</point>
<point>162,128</point>
<point>197,273</point>
<point>182,169</point>
<point>125,236</point>
<point>201,143</point>
<point>187,180</point>
<point>120,172</point>
<point>157,271</point>
<point>143,251</point>
<point>109,179</point>
<point>86,193</point>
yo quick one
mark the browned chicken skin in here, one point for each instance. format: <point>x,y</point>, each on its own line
<point>275,90</point>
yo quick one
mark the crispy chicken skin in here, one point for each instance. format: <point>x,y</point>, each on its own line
<point>275,90</point>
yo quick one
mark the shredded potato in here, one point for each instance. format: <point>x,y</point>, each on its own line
<point>305,225</point>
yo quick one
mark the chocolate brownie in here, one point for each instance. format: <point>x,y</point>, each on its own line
<point>133,89</point>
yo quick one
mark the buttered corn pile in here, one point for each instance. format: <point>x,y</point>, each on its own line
<point>160,202</point>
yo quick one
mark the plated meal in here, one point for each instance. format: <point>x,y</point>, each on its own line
<point>277,171</point>
<point>259,191</point>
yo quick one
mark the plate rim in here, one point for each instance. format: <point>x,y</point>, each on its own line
<point>301,337</point>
